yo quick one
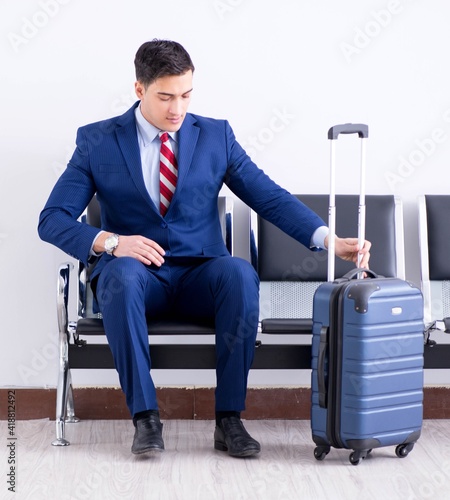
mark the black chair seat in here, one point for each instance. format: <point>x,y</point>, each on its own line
<point>94,326</point>
<point>286,325</point>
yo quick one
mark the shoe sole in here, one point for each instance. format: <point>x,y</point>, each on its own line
<point>149,451</point>
<point>218,445</point>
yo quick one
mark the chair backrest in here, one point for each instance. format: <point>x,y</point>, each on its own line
<point>92,216</point>
<point>434,239</point>
<point>290,273</point>
<point>224,205</point>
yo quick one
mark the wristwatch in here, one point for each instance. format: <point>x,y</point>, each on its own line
<point>111,243</point>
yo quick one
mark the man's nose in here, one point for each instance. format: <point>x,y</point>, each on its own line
<point>176,107</point>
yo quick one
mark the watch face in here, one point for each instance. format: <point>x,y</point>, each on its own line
<point>111,243</point>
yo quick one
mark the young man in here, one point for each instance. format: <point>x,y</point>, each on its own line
<point>161,253</point>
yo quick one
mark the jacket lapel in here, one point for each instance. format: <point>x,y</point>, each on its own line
<point>126,134</point>
<point>127,138</point>
<point>187,142</point>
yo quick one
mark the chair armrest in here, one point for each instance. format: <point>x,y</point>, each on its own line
<point>229,224</point>
<point>62,296</point>
<point>225,206</point>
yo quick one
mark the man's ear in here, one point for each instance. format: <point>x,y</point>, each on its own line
<point>139,89</point>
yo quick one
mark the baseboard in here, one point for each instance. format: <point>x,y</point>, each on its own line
<point>291,403</point>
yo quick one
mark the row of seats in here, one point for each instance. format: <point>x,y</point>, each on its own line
<point>289,275</point>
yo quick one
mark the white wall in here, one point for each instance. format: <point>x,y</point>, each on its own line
<point>281,72</point>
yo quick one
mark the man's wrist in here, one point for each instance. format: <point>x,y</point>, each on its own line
<point>319,238</point>
<point>111,243</point>
<point>99,243</point>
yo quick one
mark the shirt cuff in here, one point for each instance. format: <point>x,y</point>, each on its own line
<point>318,237</point>
<point>91,252</point>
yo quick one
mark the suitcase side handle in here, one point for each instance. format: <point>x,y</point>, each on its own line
<point>323,350</point>
<point>353,273</point>
<point>349,128</point>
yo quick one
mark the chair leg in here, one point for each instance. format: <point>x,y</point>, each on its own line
<point>61,405</point>
<point>62,391</point>
<point>70,409</point>
<point>63,399</point>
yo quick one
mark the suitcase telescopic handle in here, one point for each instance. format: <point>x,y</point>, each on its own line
<point>349,128</point>
<point>333,133</point>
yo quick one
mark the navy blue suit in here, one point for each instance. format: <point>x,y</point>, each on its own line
<point>199,277</point>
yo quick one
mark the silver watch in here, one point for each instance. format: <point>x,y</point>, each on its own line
<point>111,243</point>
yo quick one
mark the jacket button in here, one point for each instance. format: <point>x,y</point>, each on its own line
<point>163,225</point>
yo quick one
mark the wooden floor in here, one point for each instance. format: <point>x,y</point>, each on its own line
<point>99,465</point>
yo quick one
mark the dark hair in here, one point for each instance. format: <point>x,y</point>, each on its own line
<point>160,58</point>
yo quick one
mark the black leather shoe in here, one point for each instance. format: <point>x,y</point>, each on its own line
<point>231,436</point>
<point>148,435</point>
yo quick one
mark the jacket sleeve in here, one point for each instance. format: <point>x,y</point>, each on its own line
<point>58,221</point>
<point>267,198</point>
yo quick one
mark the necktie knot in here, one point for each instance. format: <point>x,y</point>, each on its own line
<point>164,136</point>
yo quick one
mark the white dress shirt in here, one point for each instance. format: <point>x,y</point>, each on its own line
<point>149,147</point>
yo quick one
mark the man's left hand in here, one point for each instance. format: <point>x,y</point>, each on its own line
<point>348,249</point>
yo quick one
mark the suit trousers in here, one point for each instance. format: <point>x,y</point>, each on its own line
<point>224,288</point>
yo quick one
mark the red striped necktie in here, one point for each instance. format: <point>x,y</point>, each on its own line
<point>168,173</point>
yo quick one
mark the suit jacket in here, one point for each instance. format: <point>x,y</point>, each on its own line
<point>107,162</point>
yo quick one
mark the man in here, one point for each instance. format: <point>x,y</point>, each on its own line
<point>161,253</point>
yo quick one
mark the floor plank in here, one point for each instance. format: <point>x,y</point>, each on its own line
<point>99,465</point>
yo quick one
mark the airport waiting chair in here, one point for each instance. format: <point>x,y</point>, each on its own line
<point>79,347</point>
<point>290,273</point>
<point>434,239</point>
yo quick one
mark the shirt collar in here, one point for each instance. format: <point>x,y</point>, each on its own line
<point>147,131</point>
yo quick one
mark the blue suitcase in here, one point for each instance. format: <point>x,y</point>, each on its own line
<point>367,356</point>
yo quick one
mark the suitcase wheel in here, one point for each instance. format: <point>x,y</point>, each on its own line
<point>320,452</point>
<point>356,456</point>
<point>403,450</point>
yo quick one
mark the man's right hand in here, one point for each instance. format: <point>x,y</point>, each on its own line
<point>143,249</point>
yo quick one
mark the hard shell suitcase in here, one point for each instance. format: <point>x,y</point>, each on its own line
<point>367,352</point>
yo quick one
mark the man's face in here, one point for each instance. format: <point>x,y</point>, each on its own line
<point>164,103</point>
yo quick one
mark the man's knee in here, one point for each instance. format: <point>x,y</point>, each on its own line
<point>118,277</point>
<point>239,272</point>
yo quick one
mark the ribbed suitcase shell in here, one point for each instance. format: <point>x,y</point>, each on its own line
<point>371,367</point>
